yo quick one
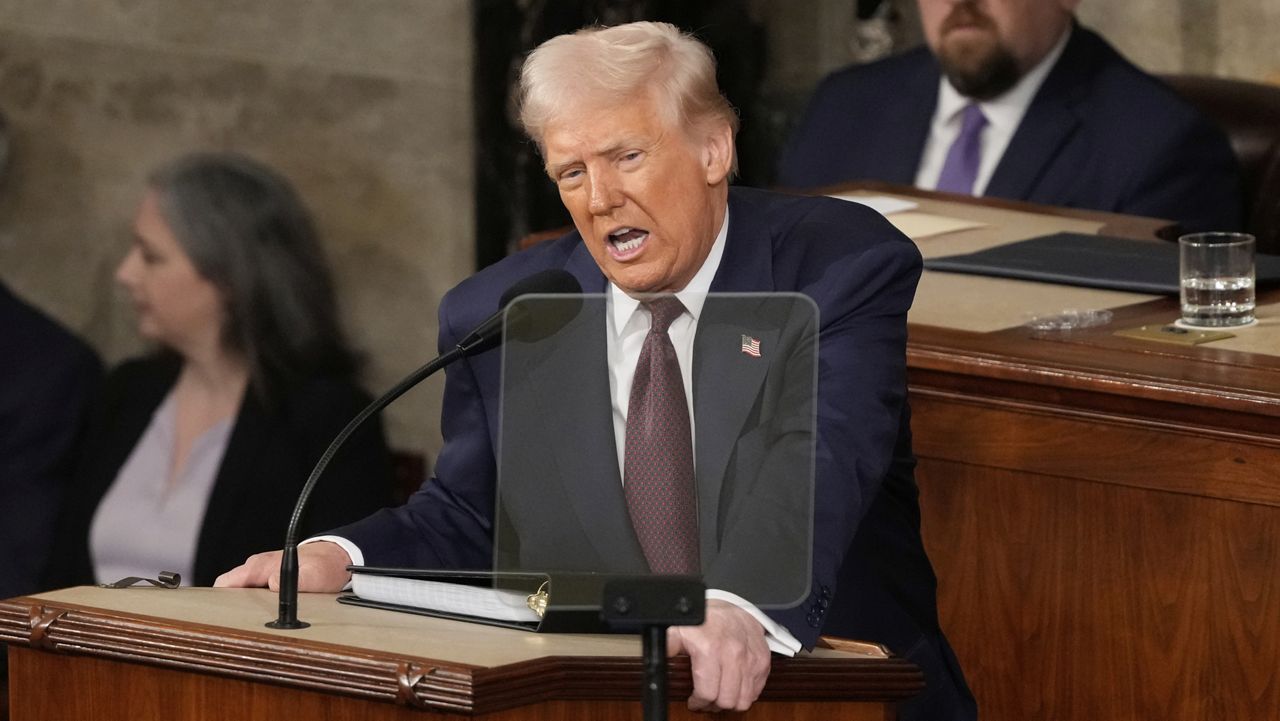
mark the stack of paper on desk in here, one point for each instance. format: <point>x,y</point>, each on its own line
<point>902,213</point>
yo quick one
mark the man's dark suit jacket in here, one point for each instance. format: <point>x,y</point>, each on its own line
<point>871,578</point>
<point>47,378</point>
<point>269,455</point>
<point>1100,134</point>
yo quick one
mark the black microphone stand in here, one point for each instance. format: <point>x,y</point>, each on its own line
<point>287,617</point>
<point>487,335</point>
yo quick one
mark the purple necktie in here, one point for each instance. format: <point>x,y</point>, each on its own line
<point>961,167</point>
<point>658,460</point>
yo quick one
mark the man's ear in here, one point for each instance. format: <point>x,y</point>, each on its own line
<point>717,153</point>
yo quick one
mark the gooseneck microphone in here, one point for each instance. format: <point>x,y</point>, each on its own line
<point>521,324</point>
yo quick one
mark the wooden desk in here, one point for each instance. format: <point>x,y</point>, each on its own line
<point>104,654</point>
<point>1103,513</point>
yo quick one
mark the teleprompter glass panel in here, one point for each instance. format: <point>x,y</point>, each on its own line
<point>749,371</point>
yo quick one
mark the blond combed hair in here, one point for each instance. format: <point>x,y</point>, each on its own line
<point>605,65</point>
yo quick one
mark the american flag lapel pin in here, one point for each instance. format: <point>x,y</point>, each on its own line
<point>751,346</point>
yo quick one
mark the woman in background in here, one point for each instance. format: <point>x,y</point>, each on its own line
<point>195,455</point>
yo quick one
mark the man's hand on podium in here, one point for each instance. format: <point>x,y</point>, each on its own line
<point>322,568</point>
<point>729,658</point>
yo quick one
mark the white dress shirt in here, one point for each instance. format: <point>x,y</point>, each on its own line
<point>1003,114</point>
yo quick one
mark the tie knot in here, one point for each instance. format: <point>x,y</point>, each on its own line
<point>971,119</point>
<point>664,311</point>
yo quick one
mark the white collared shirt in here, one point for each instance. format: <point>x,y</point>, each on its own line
<point>1003,114</point>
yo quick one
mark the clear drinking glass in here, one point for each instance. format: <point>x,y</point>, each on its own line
<point>1217,274</point>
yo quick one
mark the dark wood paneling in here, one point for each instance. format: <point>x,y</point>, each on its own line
<point>1125,450</point>
<point>61,687</point>
<point>128,651</point>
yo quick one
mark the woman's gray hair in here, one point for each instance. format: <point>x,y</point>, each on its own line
<point>614,64</point>
<point>247,232</point>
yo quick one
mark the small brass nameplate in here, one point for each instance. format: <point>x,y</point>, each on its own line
<point>1174,334</point>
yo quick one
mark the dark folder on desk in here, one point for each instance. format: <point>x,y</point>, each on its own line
<point>1094,261</point>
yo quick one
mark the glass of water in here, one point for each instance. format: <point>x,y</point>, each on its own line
<point>1217,276</point>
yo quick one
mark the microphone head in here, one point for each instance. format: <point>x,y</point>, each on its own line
<point>531,322</point>
<point>524,325</point>
<point>555,281</point>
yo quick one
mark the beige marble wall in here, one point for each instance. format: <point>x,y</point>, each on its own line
<point>1230,38</point>
<point>366,105</point>
<point>1227,38</point>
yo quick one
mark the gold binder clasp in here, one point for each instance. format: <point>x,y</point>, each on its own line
<point>537,602</point>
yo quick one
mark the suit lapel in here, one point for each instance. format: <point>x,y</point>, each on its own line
<point>1050,121</point>
<point>726,380</point>
<point>236,480</point>
<point>747,263</point>
<point>590,477</point>
<point>726,383</point>
<point>894,155</point>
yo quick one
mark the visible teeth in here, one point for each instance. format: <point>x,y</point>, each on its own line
<point>619,231</point>
<point>632,244</point>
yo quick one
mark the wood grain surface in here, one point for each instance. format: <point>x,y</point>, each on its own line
<point>1104,519</point>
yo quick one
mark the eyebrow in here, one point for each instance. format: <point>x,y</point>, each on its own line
<point>555,170</point>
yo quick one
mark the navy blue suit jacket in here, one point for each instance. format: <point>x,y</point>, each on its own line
<point>47,377</point>
<point>871,578</point>
<point>1100,134</point>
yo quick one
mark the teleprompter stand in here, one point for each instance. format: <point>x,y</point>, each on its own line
<point>651,604</point>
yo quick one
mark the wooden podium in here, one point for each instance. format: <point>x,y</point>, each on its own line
<point>199,653</point>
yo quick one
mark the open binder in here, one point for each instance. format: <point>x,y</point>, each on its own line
<point>560,603</point>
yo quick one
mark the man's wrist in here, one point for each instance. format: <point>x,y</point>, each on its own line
<point>780,640</point>
<point>353,551</point>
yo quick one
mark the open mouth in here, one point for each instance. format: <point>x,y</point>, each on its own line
<point>626,242</point>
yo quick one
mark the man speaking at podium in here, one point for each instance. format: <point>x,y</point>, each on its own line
<point>640,142</point>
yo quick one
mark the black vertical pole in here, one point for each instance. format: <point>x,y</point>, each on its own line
<point>655,673</point>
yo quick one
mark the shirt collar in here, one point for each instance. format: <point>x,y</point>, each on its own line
<point>1006,110</point>
<point>693,295</point>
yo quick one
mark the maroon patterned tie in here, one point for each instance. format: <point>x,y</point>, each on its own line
<point>658,462</point>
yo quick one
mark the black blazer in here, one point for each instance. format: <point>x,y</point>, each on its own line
<point>47,379</point>
<point>269,455</point>
<point>1099,134</point>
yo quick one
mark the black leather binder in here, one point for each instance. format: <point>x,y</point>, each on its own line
<point>1094,261</point>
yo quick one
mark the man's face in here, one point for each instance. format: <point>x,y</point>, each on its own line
<point>647,196</point>
<point>984,46</point>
